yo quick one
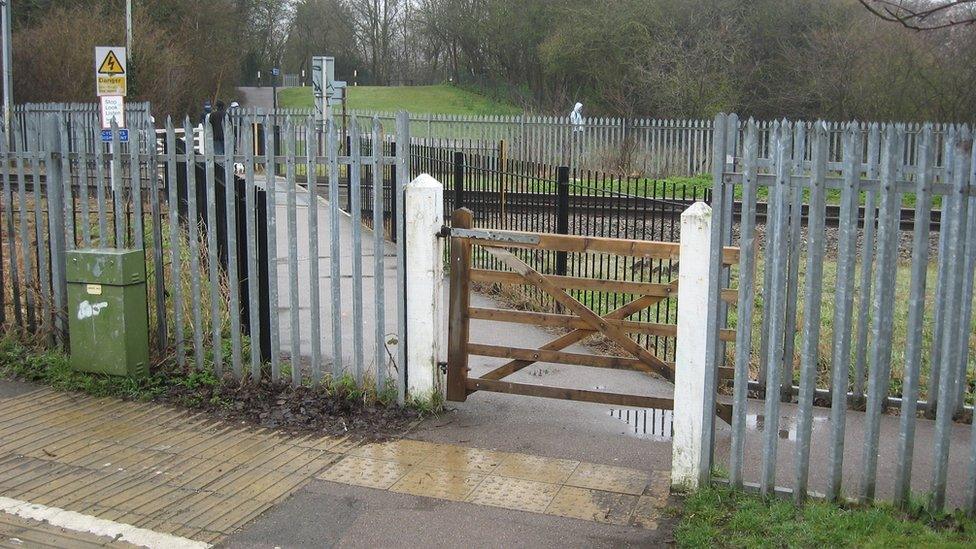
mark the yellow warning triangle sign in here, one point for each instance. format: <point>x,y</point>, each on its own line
<point>111,65</point>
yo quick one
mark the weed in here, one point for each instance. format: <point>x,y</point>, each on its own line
<point>721,517</point>
<point>49,367</point>
<point>427,404</point>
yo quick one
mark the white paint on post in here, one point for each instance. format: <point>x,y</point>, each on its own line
<point>689,376</point>
<point>424,211</point>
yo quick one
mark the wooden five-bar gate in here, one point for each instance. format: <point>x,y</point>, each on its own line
<point>580,321</point>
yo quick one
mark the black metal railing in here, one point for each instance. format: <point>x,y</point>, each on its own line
<point>527,196</point>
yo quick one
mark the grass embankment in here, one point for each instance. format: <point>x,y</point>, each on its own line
<point>641,186</point>
<point>725,518</point>
<point>650,187</point>
<point>438,99</point>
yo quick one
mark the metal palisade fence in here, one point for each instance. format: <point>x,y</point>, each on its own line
<point>869,319</point>
<point>253,267</point>
<point>648,147</point>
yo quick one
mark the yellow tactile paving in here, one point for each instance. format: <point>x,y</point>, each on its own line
<point>438,483</point>
<point>541,469</point>
<point>596,505</point>
<point>609,478</point>
<point>647,512</point>
<point>225,513</point>
<point>233,516</point>
<point>42,492</point>
<point>404,452</point>
<point>21,532</point>
<point>39,474</point>
<point>326,443</point>
<point>514,493</point>
<point>345,444</point>
<point>142,463</point>
<point>291,459</point>
<point>190,475</point>
<point>460,458</point>
<point>317,464</point>
<point>371,473</point>
<point>47,411</point>
<point>256,450</point>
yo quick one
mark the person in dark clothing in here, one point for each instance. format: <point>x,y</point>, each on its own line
<point>207,109</point>
<point>217,126</point>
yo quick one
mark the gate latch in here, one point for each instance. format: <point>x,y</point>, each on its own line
<point>443,366</point>
<point>444,232</point>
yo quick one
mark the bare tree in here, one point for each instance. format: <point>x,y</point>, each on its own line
<point>924,15</point>
<point>322,27</point>
<point>377,28</point>
<point>267,18</point>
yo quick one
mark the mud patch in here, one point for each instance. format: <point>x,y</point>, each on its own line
<point>296,409</point>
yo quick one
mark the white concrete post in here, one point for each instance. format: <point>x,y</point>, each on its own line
<point>424,211</point>
<point>690,364</point>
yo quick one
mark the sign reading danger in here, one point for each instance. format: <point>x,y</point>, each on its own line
<point>110,73</point>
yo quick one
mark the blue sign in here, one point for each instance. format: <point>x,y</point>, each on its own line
<point>123,135</point>
<point>275,71</point>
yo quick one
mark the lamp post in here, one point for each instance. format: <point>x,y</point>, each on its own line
<point>274,88</point>
<point>8,85</point>
<point>128,28</point>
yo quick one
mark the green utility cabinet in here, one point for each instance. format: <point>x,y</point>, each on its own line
<point>108,321</point>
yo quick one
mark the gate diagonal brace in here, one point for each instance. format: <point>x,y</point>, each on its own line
<point>579,334</point>
<point>532,276</point>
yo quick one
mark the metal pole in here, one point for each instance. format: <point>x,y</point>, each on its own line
<point>274,115</point>
<point>8,85</point>
<point>128,28</point>
<point>274,92</point>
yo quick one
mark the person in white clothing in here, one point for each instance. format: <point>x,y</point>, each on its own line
<point>576,117</point>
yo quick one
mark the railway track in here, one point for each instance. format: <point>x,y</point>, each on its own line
<point>627,206</point>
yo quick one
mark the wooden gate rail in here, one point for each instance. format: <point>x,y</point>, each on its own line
<point>555,320</point>
<point>583,322</point>
<point>567,243</point>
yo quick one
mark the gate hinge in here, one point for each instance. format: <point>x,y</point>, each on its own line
<point>443,366</point>
<point>444,232</point>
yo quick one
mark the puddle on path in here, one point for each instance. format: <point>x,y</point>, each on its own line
<point>657,424</point>
<point>646,423</point>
